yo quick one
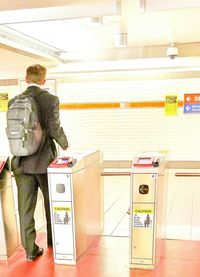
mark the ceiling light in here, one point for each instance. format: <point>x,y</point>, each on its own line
<point>17,40</point>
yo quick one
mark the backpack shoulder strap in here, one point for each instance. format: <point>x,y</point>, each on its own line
<point>37,103</point>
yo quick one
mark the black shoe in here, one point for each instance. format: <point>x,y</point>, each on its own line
<point>33,257</point>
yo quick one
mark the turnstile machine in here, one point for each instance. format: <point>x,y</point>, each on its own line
<point>9,235</point>
<point>76,200</point>
<point>147,211</point>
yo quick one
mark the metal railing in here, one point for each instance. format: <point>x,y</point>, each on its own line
<point>187,174</point>
<point>115,173</point>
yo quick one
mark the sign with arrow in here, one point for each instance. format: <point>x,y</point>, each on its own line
<point>192,103</point>
<point>143,189</point>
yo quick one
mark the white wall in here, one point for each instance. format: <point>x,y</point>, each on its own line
<point>13,64</point>
<point>4,146</point>
<point>122,133</point>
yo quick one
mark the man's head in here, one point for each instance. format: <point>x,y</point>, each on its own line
<point>36,74</point>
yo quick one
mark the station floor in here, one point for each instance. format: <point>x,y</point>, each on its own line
<point>109,255</point>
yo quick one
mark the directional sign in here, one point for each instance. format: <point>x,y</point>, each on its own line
<point>192,103</point>
<point>193,98</point>
<point>192,108</point>
<point>143,189</point>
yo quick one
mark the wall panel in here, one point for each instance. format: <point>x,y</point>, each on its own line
<point>122,132</point>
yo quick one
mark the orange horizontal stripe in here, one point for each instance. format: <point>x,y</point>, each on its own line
<point>89,105</point>
<point>147,104</point>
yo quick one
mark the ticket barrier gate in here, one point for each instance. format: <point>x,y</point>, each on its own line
<point>76,200</point>
<point>9,235</point>
<point>147,212</point>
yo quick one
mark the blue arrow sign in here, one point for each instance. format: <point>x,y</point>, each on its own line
<point>192,108</point>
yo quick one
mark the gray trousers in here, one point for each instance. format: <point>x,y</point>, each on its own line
<point>27,185</point>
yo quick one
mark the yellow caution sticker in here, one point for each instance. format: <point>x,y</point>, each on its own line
<point>3,102</point>
<point>62,215</point>
<point>63,209</point>
<point>171,104</point>
<point>143,218</point>
<point>143,211</point>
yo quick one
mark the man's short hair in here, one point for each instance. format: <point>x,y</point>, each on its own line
<point>36,73</point>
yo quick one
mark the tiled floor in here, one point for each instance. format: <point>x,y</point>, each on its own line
<point>109,256</point>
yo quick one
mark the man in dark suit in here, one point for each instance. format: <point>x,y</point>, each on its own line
<point>31,171</point>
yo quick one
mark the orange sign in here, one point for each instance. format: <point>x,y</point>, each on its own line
<point>193,98</point>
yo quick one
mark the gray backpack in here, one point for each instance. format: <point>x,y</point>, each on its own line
<point>23,130</point>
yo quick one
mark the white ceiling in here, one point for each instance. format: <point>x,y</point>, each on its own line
<point>149,33</point>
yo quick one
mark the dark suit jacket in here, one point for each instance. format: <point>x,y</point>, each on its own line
<point>48,106</point>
